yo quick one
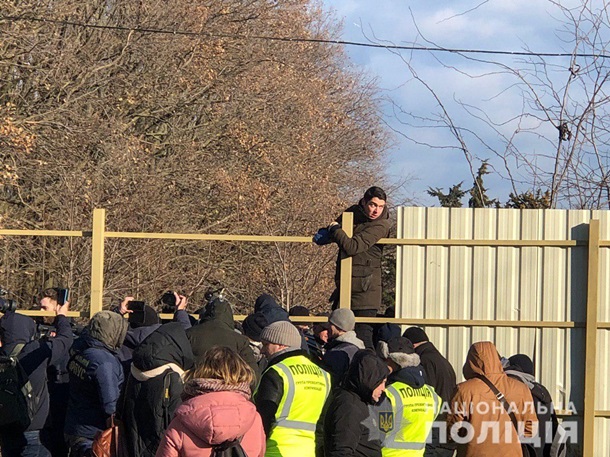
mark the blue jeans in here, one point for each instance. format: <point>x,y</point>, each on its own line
<point>23,444</point>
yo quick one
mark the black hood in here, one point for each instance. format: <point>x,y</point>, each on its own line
<point>413,376</point>
<point>218,310</point>
<point>167,344</point>
<point>16,328</point>
<point>365,373</point>
<point>266,305</point>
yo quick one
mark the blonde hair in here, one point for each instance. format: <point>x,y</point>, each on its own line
<point>223,363</point>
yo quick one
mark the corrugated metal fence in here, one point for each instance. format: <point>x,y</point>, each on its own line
<point>531,281</point>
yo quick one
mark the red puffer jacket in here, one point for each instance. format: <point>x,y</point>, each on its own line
<point>211,419</point>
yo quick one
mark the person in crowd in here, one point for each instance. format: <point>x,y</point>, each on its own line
<point>291,394</point>
<point>413,404</point>
<point>252,326</point>
<point>343,343</point>
<point>273,312</point>
<point>147,322</point>
<point>371,223</point>
<point>217,328</point>
<point>17,339</point>
<point>439,374</point>
<point>153,387</point>
<point>52,434</point>
<point>351,422</point>
<point>321,331</point>
<point>217,412</point>
<point>385,332</point>
<point>96,377</point>
<point>477,420</point>
<point>521,367</point>
<point>308,340</point>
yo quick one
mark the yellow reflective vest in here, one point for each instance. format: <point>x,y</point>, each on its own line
<point>306,387</point>
<point>413,412</point>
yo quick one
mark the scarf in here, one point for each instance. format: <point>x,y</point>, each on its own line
<point>200,386</point>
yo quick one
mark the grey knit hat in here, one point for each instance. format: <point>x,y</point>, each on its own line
<point>343,319</point>
<point>282,332</point>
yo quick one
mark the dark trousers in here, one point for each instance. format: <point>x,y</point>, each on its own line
<point>23,444</point>
<point>365,331</point>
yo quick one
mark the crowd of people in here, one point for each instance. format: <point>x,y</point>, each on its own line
<point>265,386</point>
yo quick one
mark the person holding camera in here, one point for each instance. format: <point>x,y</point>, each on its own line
<point>17,339</point>
<point>143,320</point>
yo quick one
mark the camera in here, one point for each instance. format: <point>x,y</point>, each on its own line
<point>6,304</point>
<point>213,294</point>
<point>168,302</point>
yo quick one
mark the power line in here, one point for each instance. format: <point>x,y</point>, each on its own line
<point>299,40</point>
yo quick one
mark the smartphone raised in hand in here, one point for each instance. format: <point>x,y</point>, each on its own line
<point>63,296</point>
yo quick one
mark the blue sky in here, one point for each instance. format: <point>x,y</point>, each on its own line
<point>430,155</point>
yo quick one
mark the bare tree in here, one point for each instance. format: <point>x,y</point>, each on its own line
<point>217,130</point>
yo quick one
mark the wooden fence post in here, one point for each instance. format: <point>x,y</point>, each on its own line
<point>97,260</point>
<point>591,339</point>
<point>345,285</point>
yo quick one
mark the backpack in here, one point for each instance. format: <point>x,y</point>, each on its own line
<point>229,449</point>
<point>17,400</point>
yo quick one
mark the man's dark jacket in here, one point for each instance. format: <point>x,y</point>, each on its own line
<point>217,329</point>
<point>351,427</point>
<point>36,356</point>
<point>153,388</point>
<point>365,254</point>
<point>439,372</point>
<point>96,377</point>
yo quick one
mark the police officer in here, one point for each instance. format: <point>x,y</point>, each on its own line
<point>413,404</point>
<point>291,393</point>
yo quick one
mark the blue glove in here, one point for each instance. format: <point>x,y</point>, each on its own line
<point>322,237</point>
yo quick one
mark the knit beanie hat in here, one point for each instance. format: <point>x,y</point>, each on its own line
<point>343,319</point>
<point>416,335</point>
<point>283,333</point>
<point>253,325</point>
<point>523,362</point>
<point>400,350</point>
<point>298,311</point>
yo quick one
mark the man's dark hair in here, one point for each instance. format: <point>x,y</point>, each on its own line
<point>51,292</point>
<point>374,192</point>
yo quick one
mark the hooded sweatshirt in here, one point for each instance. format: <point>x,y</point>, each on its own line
<point>96,375</point>
<point>154,386</point>
<point>218,329</point>
<point>475,403</point>
<point>351,425</point>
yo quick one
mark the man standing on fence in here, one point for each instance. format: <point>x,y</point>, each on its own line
<point>371,223</point>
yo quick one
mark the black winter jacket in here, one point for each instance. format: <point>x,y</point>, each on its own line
<point>36,356</point>
<point>439,372</point>
<point>351,425</point>
<point>154,386</point>
<point>217,329</point>
<point>365,254</point>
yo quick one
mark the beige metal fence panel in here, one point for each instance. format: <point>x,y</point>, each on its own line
<point>529,284</point>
